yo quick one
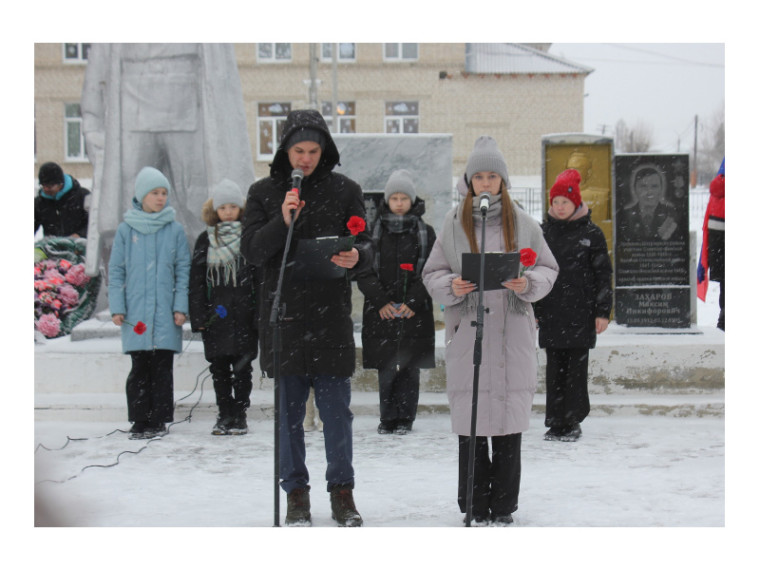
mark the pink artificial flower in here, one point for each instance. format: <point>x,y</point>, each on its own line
<point>76,275</point>
<point>64,264</point>
<point>49,325</point>
<point>37,271</point>
<point>68,295</point>
<point>42,285</point>
<point>54,276</point>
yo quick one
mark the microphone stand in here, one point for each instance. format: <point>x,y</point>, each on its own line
<point>275,321</point>
<point>477,356</point>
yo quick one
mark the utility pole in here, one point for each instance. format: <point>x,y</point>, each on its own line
<point>335,120</point>
<point>313,104</point>
<point>696,171</point>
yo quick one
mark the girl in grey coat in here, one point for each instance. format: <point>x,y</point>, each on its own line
<point>507,379</point>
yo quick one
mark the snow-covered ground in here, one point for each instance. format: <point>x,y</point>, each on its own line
<point>601,502</point>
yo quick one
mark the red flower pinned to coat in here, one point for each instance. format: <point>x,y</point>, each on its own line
<point>356,225</point>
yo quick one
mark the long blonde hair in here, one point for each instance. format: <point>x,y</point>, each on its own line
<point>507,219</point>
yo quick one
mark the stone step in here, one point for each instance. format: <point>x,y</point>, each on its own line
<point>201,405</point>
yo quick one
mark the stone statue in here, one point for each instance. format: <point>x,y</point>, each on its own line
<point>176,107</point>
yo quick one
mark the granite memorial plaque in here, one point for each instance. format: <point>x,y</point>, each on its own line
<point>369,159</point>
<point>652,270</point>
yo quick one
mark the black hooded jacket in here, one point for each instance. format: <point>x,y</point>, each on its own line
<point>583,290</point>
<point>65,216</point>
<point>317,329</point>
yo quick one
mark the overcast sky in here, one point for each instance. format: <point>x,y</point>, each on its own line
<point>663,86</point>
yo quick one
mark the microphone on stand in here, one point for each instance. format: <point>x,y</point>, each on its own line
<point>485,201</point>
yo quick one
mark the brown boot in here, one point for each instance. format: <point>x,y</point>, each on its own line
<point>343,508</point>
<point>299,508</point>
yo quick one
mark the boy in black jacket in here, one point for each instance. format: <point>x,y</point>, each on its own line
<point>577,308</point>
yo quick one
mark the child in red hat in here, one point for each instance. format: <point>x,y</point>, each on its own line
<point>577,308</point>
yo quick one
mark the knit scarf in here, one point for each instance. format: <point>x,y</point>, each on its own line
<point>223,255</point>
<point>148,223</point>
<point>454,241</point>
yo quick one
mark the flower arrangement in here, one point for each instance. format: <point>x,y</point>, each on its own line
<point>59,290</point>
<point>527,259</point>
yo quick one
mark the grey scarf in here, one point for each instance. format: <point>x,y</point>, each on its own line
<point>223,255</point>
<point>455,243</point>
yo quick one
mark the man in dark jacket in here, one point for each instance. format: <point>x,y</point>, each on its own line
<point>317,331</point>
<point>60,206</point>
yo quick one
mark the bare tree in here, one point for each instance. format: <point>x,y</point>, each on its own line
<point>635,139</point>
<point>712,141</point>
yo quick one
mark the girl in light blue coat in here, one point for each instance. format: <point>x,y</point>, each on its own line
<point>148,278</point>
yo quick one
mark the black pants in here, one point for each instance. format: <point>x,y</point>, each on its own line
<point>721,301</point>
<point>567,400</point>
<point>150,386</point>
<point>399,395</point>
<point>496,480</point>
<point>232,376</point>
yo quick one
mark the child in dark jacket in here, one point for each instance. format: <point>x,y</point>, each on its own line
<point>577,308</point>
<point>398,335</point>
<point>223,306</point>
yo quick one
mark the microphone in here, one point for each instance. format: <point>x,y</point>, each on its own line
<point>297,176</point>
<point>485,201</point>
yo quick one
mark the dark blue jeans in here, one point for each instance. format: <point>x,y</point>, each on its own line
<point>332,396</point>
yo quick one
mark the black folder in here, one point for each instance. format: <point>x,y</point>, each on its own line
<point>312,259</point>
<point>499,267</point>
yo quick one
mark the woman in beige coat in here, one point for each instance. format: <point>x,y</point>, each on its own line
<point>507,376</point>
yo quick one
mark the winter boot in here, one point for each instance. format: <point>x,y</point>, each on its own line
<point>343,507</point>
<point>403,428</point>
<point>299,508</point>
<point>476,520</point>
<point>238,424</point>
<point>573,434</point>
<point>555,433</point>
<point>220,427</point>
<point>155,429</point>
<point>386,427</point>
<point>501,520</point>
<point>137,431</point>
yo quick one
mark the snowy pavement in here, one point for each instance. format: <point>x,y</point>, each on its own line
<point>632,471</point>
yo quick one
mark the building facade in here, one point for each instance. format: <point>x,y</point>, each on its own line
<point>515,93</point>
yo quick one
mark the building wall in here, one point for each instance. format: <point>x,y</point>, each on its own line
<point>515,109</point>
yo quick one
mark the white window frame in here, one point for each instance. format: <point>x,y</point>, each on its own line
<point>81,51</point>
<point>274,58</point>
<point>349,120</point>
<point>402,117</point>
<point>73,123</point>
<point>272,122</point>
<point>400,52</point>
<point>327,57</point>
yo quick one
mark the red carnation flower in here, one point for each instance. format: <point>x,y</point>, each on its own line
<point>140,327</point>
<point>407,267</point>
<point>528,257</point>
<point>355,225</point>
